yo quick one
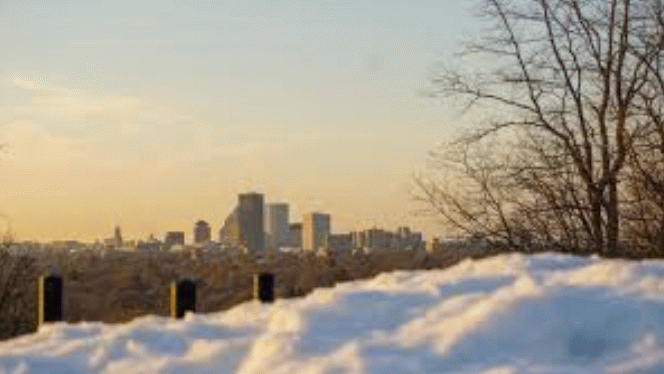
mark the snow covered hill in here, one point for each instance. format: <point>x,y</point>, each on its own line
<point>513,313</point>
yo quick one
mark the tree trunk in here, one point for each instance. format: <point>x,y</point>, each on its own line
<point>596,217</point>
<point>613,218</point>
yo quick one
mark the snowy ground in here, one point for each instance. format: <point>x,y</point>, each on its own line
<point>508,314</point>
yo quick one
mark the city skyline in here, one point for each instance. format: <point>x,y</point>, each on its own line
<point>294,217</point>
<point>276,218</point>
<point>154,115</point>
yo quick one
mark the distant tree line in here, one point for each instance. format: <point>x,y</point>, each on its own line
<point>119,286</point>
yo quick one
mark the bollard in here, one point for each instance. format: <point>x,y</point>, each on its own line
<point>264,287</point>
<point>183,297</point>
<point>49,299</point>
<point>325,281</point>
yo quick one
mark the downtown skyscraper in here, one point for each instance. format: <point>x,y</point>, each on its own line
<point>315,231</point>
<point>244,226</point>
<point>276,225</point>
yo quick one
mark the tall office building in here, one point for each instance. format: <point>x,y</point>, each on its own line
<point>118,237</point>
<point>315,231</point>
<point>229,233</point>
<point>244,226</point>
<point>276,225</point>
<point>295,235</point>
<point>202,232</point>
<point>251,221</point>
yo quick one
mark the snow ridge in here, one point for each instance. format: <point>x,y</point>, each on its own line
<point>545,313</point>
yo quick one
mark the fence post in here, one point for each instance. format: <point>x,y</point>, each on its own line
<point>264,287</point>
<point>325,281</point>
<point>49,299</point>
<point>183,297</point>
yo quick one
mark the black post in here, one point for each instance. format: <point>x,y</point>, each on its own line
<point>49,299</point>
<point>325,281</point>
<point>183,297</point>
<point>264,287</point>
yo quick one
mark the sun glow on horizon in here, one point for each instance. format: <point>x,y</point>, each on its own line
<point>162,115</point>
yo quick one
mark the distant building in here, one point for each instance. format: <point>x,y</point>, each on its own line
<point>66,245</point>
<point>173,238</point>
<point>251,221</point>
<point>416,240</point>
<point>118,237</point>
<point>374,238</point>
<point>359,239</point>
<point>229,234</point>
<point>295,235</point>
<point>276,225</point>
<point>202,232</point>
<point>210,246</point>
<point>244,226</point>
<point>391,241</point>
<point>340,242</point>
<point>315,231</point>
<point>149,245</point>
<point>433,246</point>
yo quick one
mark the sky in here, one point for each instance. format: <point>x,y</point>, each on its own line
<point>152,114</point>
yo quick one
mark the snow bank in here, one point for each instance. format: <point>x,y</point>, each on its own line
<point>546,313</point>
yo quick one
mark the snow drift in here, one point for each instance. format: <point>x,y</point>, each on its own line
<point>514,313</point>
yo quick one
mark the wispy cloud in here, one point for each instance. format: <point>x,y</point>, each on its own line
<point>118,42</point>
<point>29,80</point>
<point>55,95</point>
<point>249,148</point>
<point>30,144</point>
<point>73,105</point>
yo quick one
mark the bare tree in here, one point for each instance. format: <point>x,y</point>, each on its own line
<point>577,84</point>
<point>17,284</point>
<point>645,208</point>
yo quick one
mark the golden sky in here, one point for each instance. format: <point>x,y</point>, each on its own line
<point>155,115</point>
